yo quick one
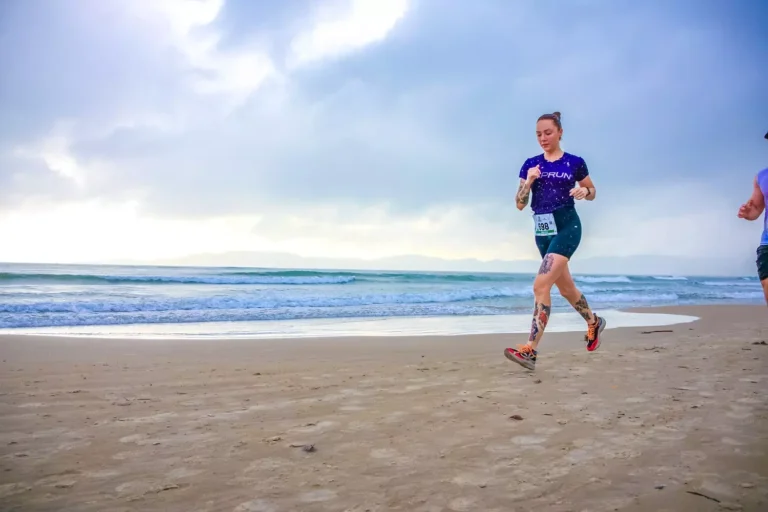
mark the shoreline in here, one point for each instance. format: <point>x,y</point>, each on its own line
<point>289,352</point>
<point>466,325</point>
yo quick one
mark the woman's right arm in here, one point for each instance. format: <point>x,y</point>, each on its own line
<point>523,194</point>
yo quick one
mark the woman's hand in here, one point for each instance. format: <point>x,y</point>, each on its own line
<point>579,192</point>
<point>533,174</point>
<point>746,210</point>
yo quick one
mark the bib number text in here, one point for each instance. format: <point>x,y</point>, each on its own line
<point>545,224</point>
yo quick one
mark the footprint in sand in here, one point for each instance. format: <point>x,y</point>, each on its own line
<point>7,490</point>
<point>391,456</point>
<point>395,417</point>
<point>406,389</point>
<point>348,392</point>
<point>558,472</point>
<point>126,455</point>
<point>133,488</point>
<point>470,479</point>
<point>72,445</point>
<point>501,449</point>
<point>357,426</point>
<point>268,464</point>
<point>103,473</point>
<point>314,427</point>
<point>183,473</point>
<point>134,438</point>
<point>384,453</point>
<point>462,504</point>
<point>580,455</point>
<point>692,457</point>
<point>318,495</point>
<point>155,418</point>
<point>528,440</point>
<point>668,434</point>
<point>740,412</point>
<point>630,422</point>
<point>255,506</point>
<point>583,443</point>
<point>352,408</point>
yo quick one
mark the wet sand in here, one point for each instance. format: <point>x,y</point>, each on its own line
<point>658,421</point>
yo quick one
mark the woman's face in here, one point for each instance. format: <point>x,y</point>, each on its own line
<point>548,134</point>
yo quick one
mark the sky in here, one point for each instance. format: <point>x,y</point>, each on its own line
<point>147,130</point>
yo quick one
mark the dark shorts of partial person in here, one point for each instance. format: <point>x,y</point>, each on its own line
<point>568,236</point>
<point>762,262</point>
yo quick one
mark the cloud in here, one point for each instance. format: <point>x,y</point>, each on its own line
<point>188,26</point>
<point>341,29</point>
<point>379,127</point>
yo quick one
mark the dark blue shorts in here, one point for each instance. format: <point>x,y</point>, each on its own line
<point>762,262</point>
<point>568,236</point>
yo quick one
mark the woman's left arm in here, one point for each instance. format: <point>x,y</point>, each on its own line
<point>585,190</point>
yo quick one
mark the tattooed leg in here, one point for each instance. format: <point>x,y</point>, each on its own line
<point>549,271</point>
<point>573,295</point>
<point>582,307</point>
<point>546,264</point>
<point>540,319</point>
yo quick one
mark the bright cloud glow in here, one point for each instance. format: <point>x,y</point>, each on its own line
<point>190,30</point>
<point>364,22</point>
<point>117,232</point>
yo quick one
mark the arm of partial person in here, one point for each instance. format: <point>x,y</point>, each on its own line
<point>755,206</point>
<point>523,194</point>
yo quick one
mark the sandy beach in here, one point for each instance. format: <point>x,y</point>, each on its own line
<point>672,418</point>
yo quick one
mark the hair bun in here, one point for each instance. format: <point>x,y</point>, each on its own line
<point>556,114</point>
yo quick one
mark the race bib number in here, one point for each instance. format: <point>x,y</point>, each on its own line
<point>545,224</point>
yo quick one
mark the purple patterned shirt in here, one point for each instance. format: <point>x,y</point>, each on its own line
<point>551,191</point>
<point>762,182</point>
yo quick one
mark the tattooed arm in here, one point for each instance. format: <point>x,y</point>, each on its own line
<point>523,194</point>
<point>524,191</point>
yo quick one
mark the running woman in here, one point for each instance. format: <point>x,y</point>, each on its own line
<point>751,210</point>
<point>552,178</point>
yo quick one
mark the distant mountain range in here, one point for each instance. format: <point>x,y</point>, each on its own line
<point>627,265</point>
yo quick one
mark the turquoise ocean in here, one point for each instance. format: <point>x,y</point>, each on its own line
<point>135,300</point>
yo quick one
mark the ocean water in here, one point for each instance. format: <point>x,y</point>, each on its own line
<point>104,300</point>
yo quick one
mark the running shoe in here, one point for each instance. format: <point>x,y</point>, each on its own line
<point>523,355</point>
<point>593,333</point>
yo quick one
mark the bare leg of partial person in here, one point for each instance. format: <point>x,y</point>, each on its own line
<point>572,294</point>
<point>551,268</point>
<point>764,282</point>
